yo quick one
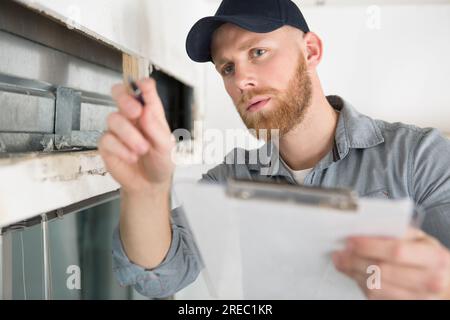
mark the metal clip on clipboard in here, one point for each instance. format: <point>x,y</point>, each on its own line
<point>340,199</point>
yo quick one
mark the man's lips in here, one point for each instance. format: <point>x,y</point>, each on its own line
<point>257,103</point>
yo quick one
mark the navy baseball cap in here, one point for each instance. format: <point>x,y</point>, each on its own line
<point>259,16</point>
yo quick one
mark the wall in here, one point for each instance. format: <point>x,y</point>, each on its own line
<point>399,72</point>
<point>155,30</point>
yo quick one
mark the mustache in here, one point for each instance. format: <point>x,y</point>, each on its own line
<point>249,95</point>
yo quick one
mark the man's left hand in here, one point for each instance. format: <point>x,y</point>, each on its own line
<point>415,267</point>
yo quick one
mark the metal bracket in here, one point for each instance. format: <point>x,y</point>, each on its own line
<point>60,214</point>
<point>46,258</point>
<point>67,119</point>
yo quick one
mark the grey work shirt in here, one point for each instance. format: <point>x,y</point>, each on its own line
<point>372,157</point>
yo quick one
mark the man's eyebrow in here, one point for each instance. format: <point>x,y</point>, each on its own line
<point>248,44</point>
<point>219,62</point>
<point>245,46</point>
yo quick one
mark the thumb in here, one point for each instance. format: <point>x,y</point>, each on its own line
<point>151,97</point>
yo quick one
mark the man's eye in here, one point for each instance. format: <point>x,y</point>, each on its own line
<point>227,70</point>
<point>258,52</point>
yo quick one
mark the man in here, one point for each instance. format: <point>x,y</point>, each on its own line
<point>268,58</point>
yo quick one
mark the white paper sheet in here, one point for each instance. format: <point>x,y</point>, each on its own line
<point>258,249</point>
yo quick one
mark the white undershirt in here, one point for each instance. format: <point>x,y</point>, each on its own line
<point>299,175</point>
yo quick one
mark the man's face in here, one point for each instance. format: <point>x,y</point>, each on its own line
<point>265,75</point>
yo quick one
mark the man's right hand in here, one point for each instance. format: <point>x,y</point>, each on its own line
<point>137,148</point>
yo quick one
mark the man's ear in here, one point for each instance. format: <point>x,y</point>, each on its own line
<point>313,48</point>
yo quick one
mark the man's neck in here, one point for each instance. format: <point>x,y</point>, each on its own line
<point>305,145</point>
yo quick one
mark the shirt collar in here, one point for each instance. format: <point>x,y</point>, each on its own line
<point>354,131</point>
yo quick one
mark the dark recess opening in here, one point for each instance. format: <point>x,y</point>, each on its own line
<point>177,100</point>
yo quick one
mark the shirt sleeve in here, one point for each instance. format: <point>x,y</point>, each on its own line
<point>430,183</point>
<point>180,267</point>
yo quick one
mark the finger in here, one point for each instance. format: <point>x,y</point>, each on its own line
<point>127,133</point>
<point>419,235</point>
<point>157,132</point>
<point>127,104</point>
<point>158,137</point>
<point>406,252</point>
<point>109,146</point>
<point>415,234</point>
<point>405,277</point>
<point>350,264</point>
<point>155,111</point>
<point>388,291</point>
<point>372,287</point>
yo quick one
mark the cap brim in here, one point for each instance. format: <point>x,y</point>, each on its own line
<point>198,43</point>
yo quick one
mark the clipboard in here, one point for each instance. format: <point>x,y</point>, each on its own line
<point>263,240</point>
<point>341,199</point>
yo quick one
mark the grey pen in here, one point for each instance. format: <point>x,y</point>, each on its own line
<point>136,91</point>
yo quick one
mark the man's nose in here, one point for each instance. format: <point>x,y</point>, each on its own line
<point>245,79</point>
